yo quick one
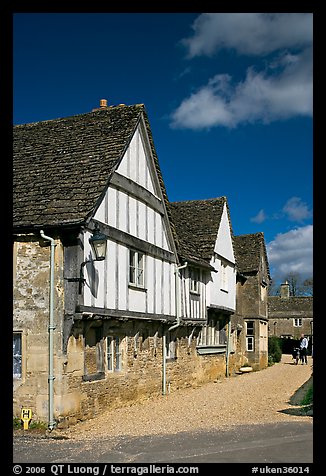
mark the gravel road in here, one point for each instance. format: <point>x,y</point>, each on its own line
<point>257,397</point>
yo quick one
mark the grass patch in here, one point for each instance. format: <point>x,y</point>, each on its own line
<point>34,425</point>
<point>308,398</point>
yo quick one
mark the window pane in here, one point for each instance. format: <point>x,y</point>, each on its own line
<point>222,336</point>
<point>109,352</point>
<point>117,354</point>
<point>250,343</point>
<point>140,261</point>
<point>132,275</point>
<point>140,277</point>
<point>132,264</point>
<point>140,270</point>
<point>250,328</point>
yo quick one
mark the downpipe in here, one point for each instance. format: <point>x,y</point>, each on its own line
<point>228,349</point>
<point>51,423</point>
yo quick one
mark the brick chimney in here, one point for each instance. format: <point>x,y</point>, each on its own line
<point>103,105</point>
<point>285,290</point>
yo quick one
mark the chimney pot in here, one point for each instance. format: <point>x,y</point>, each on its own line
<point>103,103</point>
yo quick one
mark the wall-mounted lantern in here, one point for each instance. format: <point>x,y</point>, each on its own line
<point>98,242</point>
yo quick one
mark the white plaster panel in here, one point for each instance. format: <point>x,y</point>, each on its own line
<point>123,166</point>
<point>137,300</point>
<point>112,207</point>
<point>149,278</point>
<point>150,225</point>
<point>223,244</point>
<point>158,281</point>
<point>141,220</point>
<point>158,229</point>
<point>123,278</point>
<point>167,288</point>
<point>133,157</point>
<point>111,275</point>
<point>132,216</point>
<point>97,283</point>
<point>149,181</point>
<point>142,165</point>
<point>100,212</point>
<point>122,197</point>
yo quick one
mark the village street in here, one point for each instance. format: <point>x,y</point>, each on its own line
<point>249,418</point>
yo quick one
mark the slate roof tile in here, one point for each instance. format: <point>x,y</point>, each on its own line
<point>248,249</point>
<point>197,223</point>
<point>62,167</point>
<point>299,305</point>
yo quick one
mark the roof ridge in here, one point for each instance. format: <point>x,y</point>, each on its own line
<point>81,114</point>
<point>199,200</point>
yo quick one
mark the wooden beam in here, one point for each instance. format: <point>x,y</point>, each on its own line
<point>133,242</point>
<point>137,191</point>
<point>119,314</point>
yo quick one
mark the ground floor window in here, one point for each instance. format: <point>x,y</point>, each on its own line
<point>136,268</point>
<point>297,322</point>
<point>17,355</point>
<point>250,336</point>
<point>114,353</point>
<point>213,334</point>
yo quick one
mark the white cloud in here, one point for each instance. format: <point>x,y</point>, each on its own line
<point>249,33</point>
<point>263,96</point>
<point>291,252</point>
<point>284,89</point>
<point>296,209</point>
<point>260,217</point>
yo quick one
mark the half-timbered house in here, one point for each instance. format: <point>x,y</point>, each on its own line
<point>150,315</point>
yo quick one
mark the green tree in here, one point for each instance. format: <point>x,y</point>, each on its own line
<point>274,350</point>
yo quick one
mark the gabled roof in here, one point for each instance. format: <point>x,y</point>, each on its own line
<point>290,306</point>
<point>248,249</point>
<point>62,167</point>
<point>197,223</point>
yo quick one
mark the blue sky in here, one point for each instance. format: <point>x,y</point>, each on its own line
<point>228,95</point>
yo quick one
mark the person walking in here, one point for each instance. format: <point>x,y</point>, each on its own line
<point>303,349</point>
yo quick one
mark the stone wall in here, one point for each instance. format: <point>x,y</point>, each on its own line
<point>252,306</point>
<point>31,319</point>
<point>283,311</point>
<point>142,368</point>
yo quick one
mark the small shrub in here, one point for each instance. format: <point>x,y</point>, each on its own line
<point>274,350</point>
<point>17,423</point>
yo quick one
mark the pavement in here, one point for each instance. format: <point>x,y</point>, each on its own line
<point>286,442</point>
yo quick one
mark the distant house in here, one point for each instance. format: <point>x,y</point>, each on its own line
<point>154,312</point>
<point>290,316</point>
<point>251,317</point>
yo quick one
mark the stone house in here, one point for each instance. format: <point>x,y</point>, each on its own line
<point>153,312</point>
<point>251,316</point>
<point>290,316</point>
